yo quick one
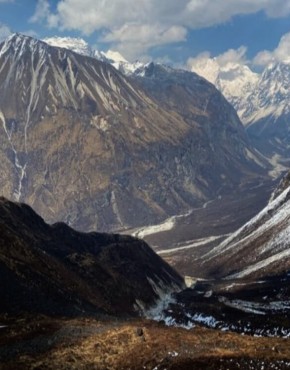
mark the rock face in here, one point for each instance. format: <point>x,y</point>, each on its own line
<point>57,270</point>
<point>82,143</point>
<point>260,248</point>
<point>220,138</point>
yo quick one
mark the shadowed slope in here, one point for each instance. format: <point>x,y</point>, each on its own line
<point>57,270</point>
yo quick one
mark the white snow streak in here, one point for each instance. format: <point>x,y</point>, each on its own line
<point>21,169</point>
<point>197,243</point>
<point>260,265</point>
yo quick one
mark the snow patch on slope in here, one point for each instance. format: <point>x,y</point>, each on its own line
<point>168,224</point>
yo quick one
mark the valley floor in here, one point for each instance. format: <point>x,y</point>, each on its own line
<point>183,240</point>
<point>43,343</point>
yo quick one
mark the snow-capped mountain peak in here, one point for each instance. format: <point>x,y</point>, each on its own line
<point>254,95</point>
<point>271,96</point>
<point>234,80</point>
<point>260,99</point>
<point>114,56</point>
<point>78,45</point>
<point>207,68</point>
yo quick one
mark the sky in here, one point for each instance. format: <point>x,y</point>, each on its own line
<point>178,32</point>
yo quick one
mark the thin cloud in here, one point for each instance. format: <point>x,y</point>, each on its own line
<point>5,31</point>
<point>209,67</point>
<point>233,56</point>
<point>280,54</point>
<point>43,13</point>
<point>133,39</point>
<point>30,33</point>
<point>117,20</point>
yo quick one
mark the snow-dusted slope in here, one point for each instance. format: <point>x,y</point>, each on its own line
<point>260,248</point>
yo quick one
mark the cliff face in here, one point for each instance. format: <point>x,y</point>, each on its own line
<point>56,270</point>
<point>82,143</point>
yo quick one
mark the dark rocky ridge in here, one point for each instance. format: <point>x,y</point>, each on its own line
<point>58,271</point>
<point>83,144</point>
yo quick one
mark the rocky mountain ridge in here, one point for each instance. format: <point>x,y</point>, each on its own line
<point>259,98</point>
<point>82,143</point>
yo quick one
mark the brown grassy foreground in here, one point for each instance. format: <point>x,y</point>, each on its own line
<point>134,344</point>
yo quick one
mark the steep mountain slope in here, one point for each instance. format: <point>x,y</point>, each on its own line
<point>261,100</point>
<point>260,248</point>
<point>82,143</point>
<point>56,270</point>
<point>69,132</point>
<point>220,139</point>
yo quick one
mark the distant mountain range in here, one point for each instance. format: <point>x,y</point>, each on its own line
<point>262,101</point>
<point>83,143</point>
